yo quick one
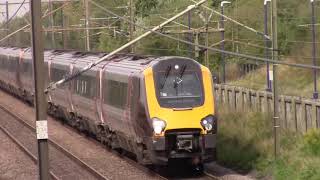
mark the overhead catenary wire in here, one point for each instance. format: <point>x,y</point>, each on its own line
<point>14,14</point>
<point>54,85</point>
<point>247,44</point>
<point>26,26</point>
<point>288,41</point>
<point>210,48</point>
<point>236,22</point>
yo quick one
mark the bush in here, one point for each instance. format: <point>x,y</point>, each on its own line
<point>311,143</point>
<point>245,144</point>
<point>243,139</point>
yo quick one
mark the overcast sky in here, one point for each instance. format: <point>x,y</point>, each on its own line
<point>13,8</point>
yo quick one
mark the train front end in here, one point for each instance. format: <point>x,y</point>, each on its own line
<point>180,105</point>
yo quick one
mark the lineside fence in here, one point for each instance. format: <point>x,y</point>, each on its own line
<point>296,113</point>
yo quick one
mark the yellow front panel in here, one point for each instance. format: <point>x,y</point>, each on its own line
<point>180,119</point>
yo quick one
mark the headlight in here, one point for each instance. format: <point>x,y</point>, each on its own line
<point>158,125</point>
<point>208,122</point>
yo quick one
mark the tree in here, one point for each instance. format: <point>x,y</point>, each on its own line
<point>215,3</point>
<point>144,7</point>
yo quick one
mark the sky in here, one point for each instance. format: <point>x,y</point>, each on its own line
<point>12,8</point>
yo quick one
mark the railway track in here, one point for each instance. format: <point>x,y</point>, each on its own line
<point>210,175</point>
<point>80,164</point>
<point>74,166</point>
<point>159,175</point>
<point>25,150</point>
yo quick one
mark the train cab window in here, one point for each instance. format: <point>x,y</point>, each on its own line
<point>116,94</point>
<point>175,91</point>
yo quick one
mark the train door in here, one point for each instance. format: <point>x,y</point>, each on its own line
<point>115,100</point>
<point>3,67</point>
<point>20,69</point>
<point>12,74</point>
<point>70,90</point>
<point>133,105</point>
<point>84,97</point>
<point>99,91</point>
<point>58,72</point>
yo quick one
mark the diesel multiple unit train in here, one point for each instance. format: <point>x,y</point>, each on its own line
<point>158,108</point>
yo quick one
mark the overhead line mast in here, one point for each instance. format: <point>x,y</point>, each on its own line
<point>276,117</point>
<point>40,100</point>
<point>87,23</point>
<point>155,30</point>
<point>129,44</point>
<point>7,22</point>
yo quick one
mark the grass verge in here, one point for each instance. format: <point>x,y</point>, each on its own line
<point>245,144</point>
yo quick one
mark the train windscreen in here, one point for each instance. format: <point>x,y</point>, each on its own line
<point>179,90</point>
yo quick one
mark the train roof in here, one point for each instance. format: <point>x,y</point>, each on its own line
<point>119,62</point>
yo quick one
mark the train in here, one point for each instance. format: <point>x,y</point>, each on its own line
<point>157,108</point>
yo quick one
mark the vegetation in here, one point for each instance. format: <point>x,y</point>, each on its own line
<point>246,144</point>
<point>245,139</point>
<point>149,13</point>
<point>292,81</point>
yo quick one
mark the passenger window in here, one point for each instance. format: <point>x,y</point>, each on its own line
<point>13,64</point>
<point>85,86</point>
<point>116,93</point>
<point>2,62</point>
<point>57,74</point>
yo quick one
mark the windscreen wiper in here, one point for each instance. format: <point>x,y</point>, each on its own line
<point>166,76</point>
<point>179,79</point>
<point>183,70</point>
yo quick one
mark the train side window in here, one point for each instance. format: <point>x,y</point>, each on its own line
<point>85,86</point>
<point>27,68</point>
<point>2,62</point>
<point>57,74</point>
<point>13,63</point>
<point>116,94</point>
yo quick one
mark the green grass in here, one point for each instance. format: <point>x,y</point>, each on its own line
<point>291,81</point>
<point>246,145</point>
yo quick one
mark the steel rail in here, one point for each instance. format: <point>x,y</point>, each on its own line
<point>73,157</point>
<point>210,175</point>
<point>141,167</point>
<point>81,163</point>
<point>129,160</point>
<point>24,149</point>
